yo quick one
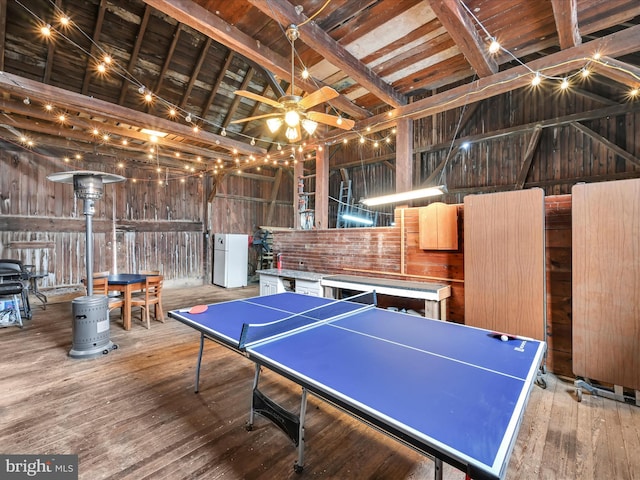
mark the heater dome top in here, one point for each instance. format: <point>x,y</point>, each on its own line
<point>67,177</point>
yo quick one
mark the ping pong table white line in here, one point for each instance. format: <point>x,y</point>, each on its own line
<point>303,314</point>
<point>316,323</point>
<point>333,302</point>
<point>331,396</point>
<point>409,347</point>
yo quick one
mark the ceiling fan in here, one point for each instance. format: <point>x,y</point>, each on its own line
<point>293,108</point>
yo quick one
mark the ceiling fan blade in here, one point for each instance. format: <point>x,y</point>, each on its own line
<point>339,122</point>
<point>258,98</point>
<point>257,117</point>
<point>323,95</point>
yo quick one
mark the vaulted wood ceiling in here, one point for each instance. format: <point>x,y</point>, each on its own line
<point>387,59</point>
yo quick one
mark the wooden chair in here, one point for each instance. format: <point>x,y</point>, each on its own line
<point>151,296</point>
<point>101,287</point>
<point>149,272</point>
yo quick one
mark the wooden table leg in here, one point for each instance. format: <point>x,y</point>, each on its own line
<point>126,321</point>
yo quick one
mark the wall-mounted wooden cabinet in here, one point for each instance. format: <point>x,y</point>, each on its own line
<point>438,223</point>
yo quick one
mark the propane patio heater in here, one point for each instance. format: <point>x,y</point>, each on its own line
<point>91,312</point>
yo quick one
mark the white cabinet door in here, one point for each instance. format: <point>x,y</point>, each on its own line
<point>270,285</point>
<point>309,287</point>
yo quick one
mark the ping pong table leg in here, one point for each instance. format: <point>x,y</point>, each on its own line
<point>299,465</point>
<point>437,472</point>
<point>197,387</point>
<point>256,379</point>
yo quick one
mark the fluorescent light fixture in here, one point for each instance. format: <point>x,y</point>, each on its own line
<point>404,196</point>
<point>355,219</point>
<point>154,133</point>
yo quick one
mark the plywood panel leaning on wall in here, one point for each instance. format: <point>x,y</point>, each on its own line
<point>606,282</point>
<point>504,262</point>
<point>438,223</point>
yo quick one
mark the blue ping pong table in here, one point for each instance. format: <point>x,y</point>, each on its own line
<point>452,392</point>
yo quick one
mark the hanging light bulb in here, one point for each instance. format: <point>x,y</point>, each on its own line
<point>188,118</point>
<point>292,118</point>
<point>309,125</point>
<point>536,80</point>
<point>565,84</point>
<point>274,124</point>
<point>223,132</point>
<point>494,46</point>
<point>305,73</point>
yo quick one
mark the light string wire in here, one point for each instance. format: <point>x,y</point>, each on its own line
<point>185,113</point>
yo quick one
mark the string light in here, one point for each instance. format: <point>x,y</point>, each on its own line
<point>537,79</point>
<point>173,111</point>
<point>494,46</point>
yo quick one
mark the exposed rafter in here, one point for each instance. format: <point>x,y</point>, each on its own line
<point>285,13</point>
<point>621,72</point>
<point>133,59</point>
<point>95,39</point>
<point>616,44</point>
<point>463,31</point>
<point>116,113</point>
<point>204,21</point>
<point>565,13</point>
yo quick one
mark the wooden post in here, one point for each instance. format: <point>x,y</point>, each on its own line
<point>322,187</point>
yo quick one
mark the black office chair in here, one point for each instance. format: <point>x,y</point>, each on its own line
<point>13,271</point>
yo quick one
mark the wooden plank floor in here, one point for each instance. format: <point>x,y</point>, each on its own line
<point>132,414</point>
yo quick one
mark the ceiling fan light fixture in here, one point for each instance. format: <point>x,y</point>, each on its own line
<point>292,134</point>
<point>274,124</point>
<point>309,126</point>
<point>292,118</point>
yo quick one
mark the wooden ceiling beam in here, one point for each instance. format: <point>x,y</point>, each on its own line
<point>565,13</point>
<point>101,109</point>
<point>94,39</point>
<point>621,72</point>
<point>236,98</point>
<point>214,89</point>
<point>621,152</point>
<point>133,59</point>
<point>462,29</point>
<point>207,23</point>
<point>196,71</point>
<point>613,45</point>
<point>168,58</point>
<point>320,41</point>
<point>43,122</point>
<point>534,141</point>
<point>50,51</point>
<point>75,141</point>
<point>272,81</point>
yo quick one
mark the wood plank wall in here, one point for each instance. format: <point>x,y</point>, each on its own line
<point>377,252</point>
<point>145,222</point>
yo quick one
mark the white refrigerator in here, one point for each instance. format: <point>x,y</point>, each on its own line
<point>230,259</point>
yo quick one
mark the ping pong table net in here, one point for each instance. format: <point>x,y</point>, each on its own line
<point>256,333</point>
